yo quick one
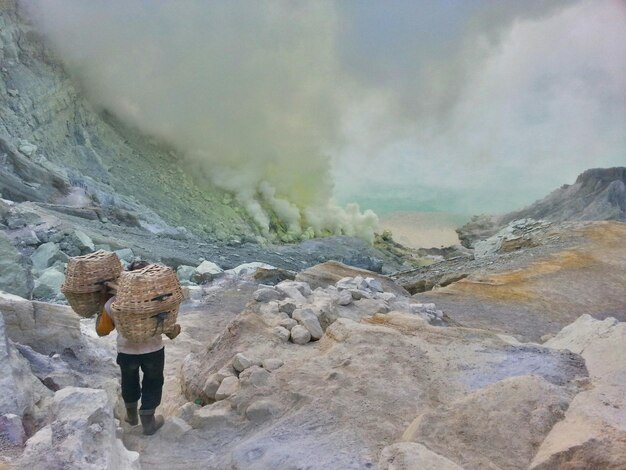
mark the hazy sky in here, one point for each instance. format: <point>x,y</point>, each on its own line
<point>453,105</point>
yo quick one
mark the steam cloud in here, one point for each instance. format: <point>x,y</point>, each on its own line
<point>285,103</point>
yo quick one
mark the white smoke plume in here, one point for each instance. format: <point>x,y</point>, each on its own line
<point>446,104</point>
<point>245,90</point>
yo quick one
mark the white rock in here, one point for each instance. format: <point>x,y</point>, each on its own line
<point>386,296</point>
<point>309,320</point>
<point>248,269</point>
<point>345,298</point>
<point>255,376</point>
<point>228,387</point>
<point>272,364</point>
<point>48,284</point>
<point>288,323</point>
<point>11,428</point>
<point>265,294</point>
<point>287,306</point>
<point>282,333</point>
<point>300,335</point>
<point>212,416</point>
<point>186,411</point>
<point>174,429</point>
<point>292,292</point>
<point>242,362</point>
<point>27,148</point>
<point>125,254</point>
<point>374,284</point>
<point>82,436</point>
<point>84,242</point>
<point>262,410</point>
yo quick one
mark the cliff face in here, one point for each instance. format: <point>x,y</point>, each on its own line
<point>597,194</point>
<point>53,143</point>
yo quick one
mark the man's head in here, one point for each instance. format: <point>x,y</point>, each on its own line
<point>137,264</point>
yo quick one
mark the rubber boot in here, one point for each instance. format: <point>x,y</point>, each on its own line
<point>150,423</point>
<point>131,414</point>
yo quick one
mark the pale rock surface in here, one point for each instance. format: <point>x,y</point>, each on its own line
<point>48,284</point>
<point>248,269</point>
<point>19,388</point>
<point>81,436</point>
<point>308,319</point>
<point>283,334</point>
<point>300,335</point>
<point>335,395</point>
<point>46,255</point>
<point>242,362</point>
<point>13,276</point>
<point>345,298</point>
<point>45,327</point>
<point>265,294</point>
<point>228,387</point>
<point>472,431</point>
<point>593,432</point>
<point>207,271</point>
<point>413,456</point>
<point>273,363</point>
<point>262,410</point>
<point>12,430</point>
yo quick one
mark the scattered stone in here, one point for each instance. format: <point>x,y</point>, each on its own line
<point>345,297</point>
<point>291,291</point>
<point>27,148</point>
<point>300,335</point>
<point>281,333</point>
<point>206,272</point>
<point>13,92</point>
<point>374,284</point>
<point>46,255</point>
<point>13,276</point>
<point>272,364</point>
<point>228,387</point>
<point>212,416</point>
<point>186,411</point>
<point>184,273</point>
<point>12,429</point>
<point>241,362</point>
<point>255,376</point>
<point>288,323</point>
<point>309,320</point>
<point>48,284</point>
<point>265,294</point>
<point>261,411</point>
<point>386,296</point>
<point>125,254</point>
<point>249,269</point>
<point>82,434</point>
<point>287,306</point>
<point>83,242</point>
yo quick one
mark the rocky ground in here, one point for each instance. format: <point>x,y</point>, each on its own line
<point>340,368</point>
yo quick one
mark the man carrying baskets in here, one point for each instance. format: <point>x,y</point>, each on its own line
<point>145,307</point>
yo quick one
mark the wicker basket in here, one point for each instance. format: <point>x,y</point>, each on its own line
<point>84,280</point>
<point>147,302</point>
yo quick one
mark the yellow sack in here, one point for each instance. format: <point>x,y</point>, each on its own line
<point>104,323</point>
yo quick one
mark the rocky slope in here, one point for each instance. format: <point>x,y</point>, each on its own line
<point>340,368</point>
<point>597,194</point>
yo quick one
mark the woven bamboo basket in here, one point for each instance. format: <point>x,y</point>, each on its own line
<point>84,280</point>
<point>146,303</point>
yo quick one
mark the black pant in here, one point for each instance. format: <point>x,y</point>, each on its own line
<point>152,385</point>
